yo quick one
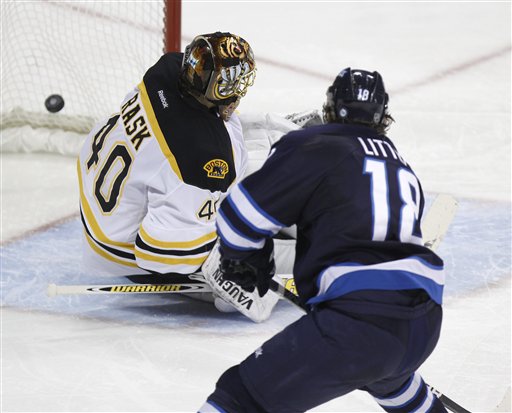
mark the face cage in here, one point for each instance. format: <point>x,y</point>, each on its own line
<point>245,82</point>
<point>227,84</point>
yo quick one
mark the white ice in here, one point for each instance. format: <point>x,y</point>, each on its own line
<point>447,67</point>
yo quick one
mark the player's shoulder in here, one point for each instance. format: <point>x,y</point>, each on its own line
<point>332,135</point>
<point>319,137</point>
<point>330,143</point>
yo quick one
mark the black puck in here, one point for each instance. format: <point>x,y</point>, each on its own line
<point>54,103</point>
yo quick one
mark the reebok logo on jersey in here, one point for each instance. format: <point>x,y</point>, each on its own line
<point>163,99</point>
<point>216,168</point>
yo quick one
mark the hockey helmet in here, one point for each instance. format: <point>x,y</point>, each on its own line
<point>357,96</point>
<point>217,70</point>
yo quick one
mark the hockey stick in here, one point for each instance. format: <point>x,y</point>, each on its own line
<point>142,284</point>
<point>171,288</point>
<point>447,402</point>
<point>437,220</point>
<point>170,283</point>
<point>436,223</point>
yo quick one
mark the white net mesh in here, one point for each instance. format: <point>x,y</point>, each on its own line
<point>89,52</point>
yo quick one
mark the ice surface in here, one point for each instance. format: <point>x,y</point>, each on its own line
<point>447,66</point>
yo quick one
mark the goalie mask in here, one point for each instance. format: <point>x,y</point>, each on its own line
<point>358,96</point>
<point>217,70</point>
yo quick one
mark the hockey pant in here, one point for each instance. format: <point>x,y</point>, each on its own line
<point>339,347</point>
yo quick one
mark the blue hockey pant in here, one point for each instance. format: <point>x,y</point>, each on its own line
<point>339,347</point>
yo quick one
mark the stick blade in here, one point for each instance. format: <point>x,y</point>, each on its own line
<point>438,219</point>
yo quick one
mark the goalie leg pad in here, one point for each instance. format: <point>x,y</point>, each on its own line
<point>251,305</point>
<point>223,306</point>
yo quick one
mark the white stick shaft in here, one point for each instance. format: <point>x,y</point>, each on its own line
<point>54,290</point>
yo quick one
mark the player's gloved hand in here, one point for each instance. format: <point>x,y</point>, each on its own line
<point>255,271</point>
<point>247,276</point>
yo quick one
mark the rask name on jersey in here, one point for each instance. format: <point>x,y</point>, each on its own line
<point>135,124</point>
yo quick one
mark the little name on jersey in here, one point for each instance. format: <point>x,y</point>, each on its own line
<point>379,148</point>
<point>134,122</point>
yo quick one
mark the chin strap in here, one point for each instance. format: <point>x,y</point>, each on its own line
<point>226,112</point>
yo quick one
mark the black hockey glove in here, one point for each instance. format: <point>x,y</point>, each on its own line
<point>255,271</point>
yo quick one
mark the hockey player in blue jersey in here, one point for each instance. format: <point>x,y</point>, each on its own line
<point>373,290</point>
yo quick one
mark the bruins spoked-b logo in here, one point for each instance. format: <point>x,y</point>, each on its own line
<point>216,168</point>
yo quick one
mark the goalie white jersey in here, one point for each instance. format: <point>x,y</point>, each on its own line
<point>151,177</point>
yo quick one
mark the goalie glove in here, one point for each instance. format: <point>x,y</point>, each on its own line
<point>249,303</point>
<point>306,119</point>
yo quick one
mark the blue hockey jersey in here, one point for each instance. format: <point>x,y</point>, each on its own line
<point>357,205</point>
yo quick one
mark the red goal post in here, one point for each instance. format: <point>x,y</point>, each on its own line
<point>89,52</point>
<point>172,26</point>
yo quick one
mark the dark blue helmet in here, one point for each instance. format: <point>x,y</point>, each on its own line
<point>357,96</point>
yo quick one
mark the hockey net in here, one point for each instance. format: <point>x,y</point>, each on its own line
<point>89,52</point>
